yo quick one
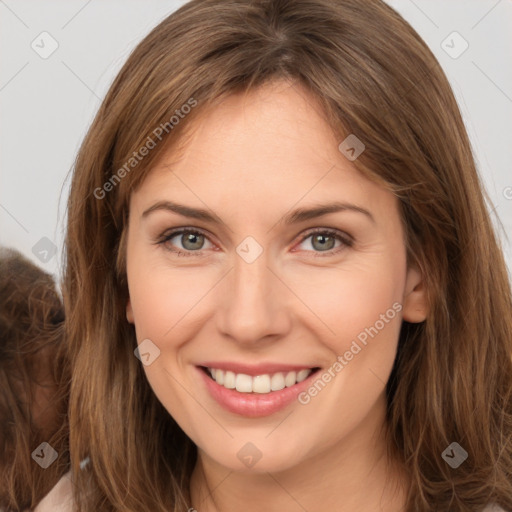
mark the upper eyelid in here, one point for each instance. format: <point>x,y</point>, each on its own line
<point>171,233</point>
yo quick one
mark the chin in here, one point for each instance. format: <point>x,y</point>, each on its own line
<point>256,457</point>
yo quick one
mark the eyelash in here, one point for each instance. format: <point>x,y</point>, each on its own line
<point>346,241</point>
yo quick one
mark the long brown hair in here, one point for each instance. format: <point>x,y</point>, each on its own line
<point>32,355</point>
<point>376,78</point>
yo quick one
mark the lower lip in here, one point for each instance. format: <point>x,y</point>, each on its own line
<point>254,405</point>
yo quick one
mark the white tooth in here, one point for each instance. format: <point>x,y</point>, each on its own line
<point>219,377</point>
<point>277,382</point>
<point>211,371</point>
<point>290,379</point>
<point>229,380</point>
<point>302,375</point>
<point>261,384</point>
<point>243,383</point>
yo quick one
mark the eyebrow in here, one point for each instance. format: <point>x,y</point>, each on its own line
<point>295,217</point>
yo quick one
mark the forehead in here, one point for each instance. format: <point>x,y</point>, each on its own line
<point>263,124</point>
<point>270,145</point>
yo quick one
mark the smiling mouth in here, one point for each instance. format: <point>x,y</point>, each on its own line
<point>261,384</point>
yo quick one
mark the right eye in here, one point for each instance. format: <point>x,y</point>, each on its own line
<point>190,239</point>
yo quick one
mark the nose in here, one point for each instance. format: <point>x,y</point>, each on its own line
<point>254,303</point>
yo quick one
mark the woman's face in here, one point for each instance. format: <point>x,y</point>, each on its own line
<point>238,283</point>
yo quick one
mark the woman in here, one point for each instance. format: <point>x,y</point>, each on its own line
<point>34,378</point>
<point>283,288</point>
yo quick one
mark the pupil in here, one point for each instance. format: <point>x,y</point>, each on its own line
<point>191,237</point>
<point>322,238</point>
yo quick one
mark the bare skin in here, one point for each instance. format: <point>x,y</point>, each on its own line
<point>251,161</point>
<point>44,414</point>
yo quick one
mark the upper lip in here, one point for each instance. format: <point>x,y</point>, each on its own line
<point>256,369</point>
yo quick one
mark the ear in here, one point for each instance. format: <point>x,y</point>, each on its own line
<point>415,308</point>
<point>129,312</point>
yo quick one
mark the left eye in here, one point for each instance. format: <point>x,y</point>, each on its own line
<point>324,241</point>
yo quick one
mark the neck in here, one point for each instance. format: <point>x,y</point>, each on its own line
<point>353,475</point>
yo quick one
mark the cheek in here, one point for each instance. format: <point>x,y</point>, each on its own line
<point>351,301</point>
<point>362,307</point>
<point>44,411</point>
<point>161,297</point>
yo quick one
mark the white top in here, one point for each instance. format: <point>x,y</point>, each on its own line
<point>59,499</point>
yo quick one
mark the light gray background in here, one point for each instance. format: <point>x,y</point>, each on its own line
<point>47,104</point>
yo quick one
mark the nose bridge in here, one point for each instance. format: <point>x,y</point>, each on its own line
<point>252,305</point>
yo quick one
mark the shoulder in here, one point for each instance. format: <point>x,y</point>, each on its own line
<point>493,508</point>
<point>60,498</point>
